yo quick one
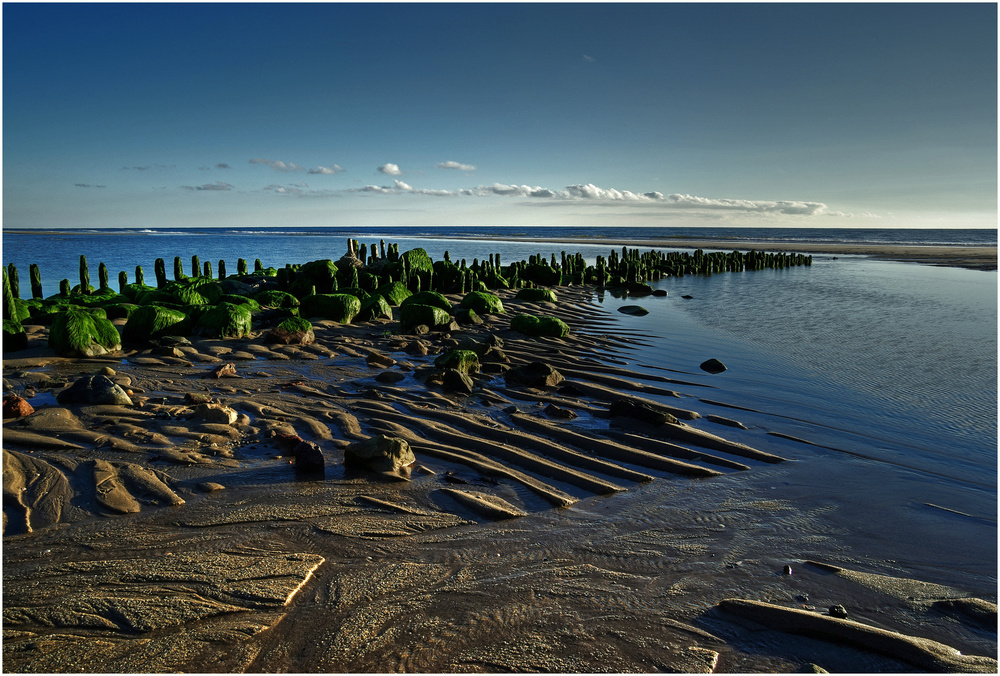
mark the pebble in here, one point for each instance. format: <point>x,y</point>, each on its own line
<point>838,611</point>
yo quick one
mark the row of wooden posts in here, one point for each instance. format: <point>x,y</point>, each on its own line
<point>631,267</point>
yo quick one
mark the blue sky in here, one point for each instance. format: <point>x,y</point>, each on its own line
<point>806,115</point>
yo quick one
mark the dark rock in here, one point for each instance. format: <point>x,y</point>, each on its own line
<point>641,410</point>
<point>173,341</point>
<point>308,458</point>
<point>380,453</point>
<point>687,297</point>
<point>465,361</point>
<point>713,366</point>
<point>224,371</point>
<point>210,487</point>
<point>510,410</point>
<point>559,413</point>
<point>379,360</point>
<point>639,289</point>
<point>535,374</point>
<point>416,348</point>
<point>494,368</point>
<point>16,407</point>
<point>570,390</point>
<point>634,310</point>
<point>288,442</point>
<point>390,377</point>
<point>197,398</point>
<point>167,351</point>
<point>456,381</point>
<point>659,292</point>
<point>94,390</point>
<point>838,611</point>
<point>787,570</point>
<point>466,315</point>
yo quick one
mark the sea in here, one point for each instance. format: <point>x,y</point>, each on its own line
<point>879,378</point>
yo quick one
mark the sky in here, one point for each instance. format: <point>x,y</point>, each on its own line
<point>654,114</point>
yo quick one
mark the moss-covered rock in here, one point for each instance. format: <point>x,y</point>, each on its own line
<point>14,336</point>
<point>292,331</point>
<point>82,333</point>
<point>340,307</point>
<point>194,291</point>
<point>543,274</point>
<point>275,298</point>
<point>432,298</point>
<point>483,303</point>
<point>465,361</point>
<point>427,315</point>
<point>355,291</point>
<point>135,291</point>
<point>374,307</point>
<point>156,296</point>
<point>154,321</point>
<point>120,310</point>
<point>241,300</point>
<point>225,320</point>
<point>532,325</point>
<point>417,260</point>
<point>536,295</point>
<point>448,276</point>
<point>394,293</point>
<point>321,274</point>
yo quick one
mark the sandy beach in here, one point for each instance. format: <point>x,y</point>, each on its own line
<point>178,532</point>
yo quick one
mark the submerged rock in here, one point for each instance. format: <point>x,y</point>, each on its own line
<point>634,310</point>
<point>713,366</point>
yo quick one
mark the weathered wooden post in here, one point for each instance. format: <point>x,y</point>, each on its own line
<point>84,275</point>
<point>178,269</point>
<point>102,276</point>
<point>122,281</point>
<point>36,280</point>
<point>195,266</point>
<point>15,283</point>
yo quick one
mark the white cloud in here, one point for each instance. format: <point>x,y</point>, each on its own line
<point>399,187</point>
<point>327,170</point>
<point>390,169</point>
<point>89,185</point>
<point>785,207</point>
<point>277,165</point>
<point>589,59</point>
<point>452,164</point>
<point>218,185</point>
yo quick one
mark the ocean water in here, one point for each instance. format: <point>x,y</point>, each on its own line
<point>888,370</point>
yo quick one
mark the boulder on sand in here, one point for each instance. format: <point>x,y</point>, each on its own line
<point>380,453</point>
<point>536,374</point>
<point>16,407</point>
<point>292,331</point>
<point>308,458</point>
<point>94,390</point>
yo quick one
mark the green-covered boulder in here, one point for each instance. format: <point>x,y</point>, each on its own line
<point>426,315</point>
<point>465,361</point>
<point>355,291</point>
<point>483,303</point>
<point>241,300</point>
<point>225,320</point>
<point>275,298</point>
<point>432,298</point>
<point>81,333</point>
<point>135,291</point>
<point>291,331</point>
<point>154,321</point>
<point>536,295</point>
<point>448,276</point>
<point>120,310</point>
<point>542,274</point>
<point>394,293</point>
<point>532,325</point>
<point>320,274</point>
<point>14,336</point>
<point>374,307</point>
<point>339,307</point>
<point>195,291</point>
<point>417,260</point>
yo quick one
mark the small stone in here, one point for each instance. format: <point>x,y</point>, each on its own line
<point>687,297</point>
<point>456,381</point>
<point>210,487</point>
<point>16,407</point>
<point>380,360</point>
<point>197,398</point>
<point>390,377</point>
<point>838,611</point>
<point>559,413</point>
<point>380,453</point>
<point>224,371</point>
<point>107,371</point>
<point>94,390</point>
<point>787,570</point>
<point>216,413</point>
<point>309,458</point>
<point>713,366</point>
<point>634,310</point>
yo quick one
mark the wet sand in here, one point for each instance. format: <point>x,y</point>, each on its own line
<point>536,531</point>
<point>973,257</point>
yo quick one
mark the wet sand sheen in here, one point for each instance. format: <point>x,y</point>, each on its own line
<point>364,573</point>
